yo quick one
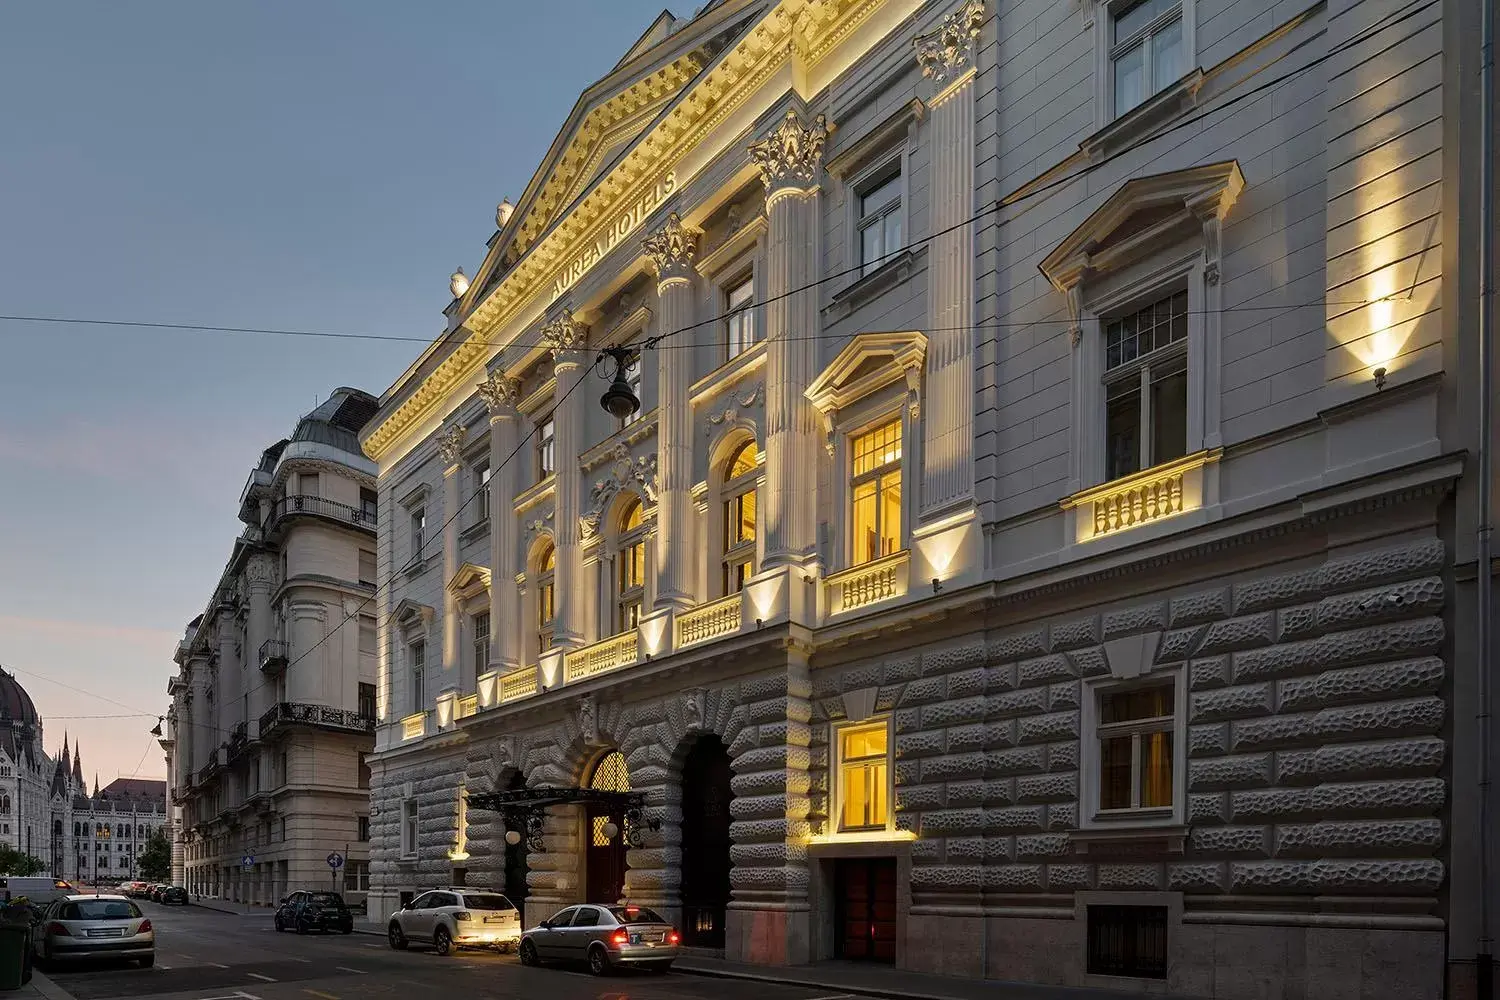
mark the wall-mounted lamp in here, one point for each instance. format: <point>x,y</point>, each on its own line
<point>1379,374</point>
<point>619,400</point>
<point>512,837</point>
<point>610,831</point>
<point>458,282</point>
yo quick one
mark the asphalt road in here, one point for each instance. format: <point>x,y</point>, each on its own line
<point>202,954</point>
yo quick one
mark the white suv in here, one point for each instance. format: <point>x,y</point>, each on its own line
<point>457,917</point>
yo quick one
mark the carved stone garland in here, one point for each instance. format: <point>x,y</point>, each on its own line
<point>639,473</point>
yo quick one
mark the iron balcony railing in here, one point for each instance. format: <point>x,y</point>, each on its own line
<point>288,506</point>
<point>274,654</point>
<point>208,770</point>
<point>293,713</point>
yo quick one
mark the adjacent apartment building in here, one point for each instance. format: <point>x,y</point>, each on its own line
<point>1045,548</point>
<point>273,702</point>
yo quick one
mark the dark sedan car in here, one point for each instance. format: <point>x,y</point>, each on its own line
<point>173,895</point>
<point>314,911</point>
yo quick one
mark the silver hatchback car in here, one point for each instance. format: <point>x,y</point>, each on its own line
<point>605,937</point>
<point>94,927</point>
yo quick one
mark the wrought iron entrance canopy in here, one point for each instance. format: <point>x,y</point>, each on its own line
<point>523,809</point>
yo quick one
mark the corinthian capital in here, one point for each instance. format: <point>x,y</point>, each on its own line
<point>792,154</point>
<point>451,444</point>
<point>948,51</point>
<point>564,334</point>
<point>500,393</point>
<point>672,249</point>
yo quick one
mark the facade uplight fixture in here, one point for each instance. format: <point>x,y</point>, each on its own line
<point>1379,374</point>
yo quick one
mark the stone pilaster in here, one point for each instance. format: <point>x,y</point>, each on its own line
<point>228,699</point>
<point>501,394</point>
<point>946,57</point>
<point>672,250</point>
<point>202,715</point>
<point>260,577</point>
<point>791,164</point>
<point>567,338</point>
<point>450,447</point>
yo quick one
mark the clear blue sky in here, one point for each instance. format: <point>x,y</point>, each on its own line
<point>311,165</point>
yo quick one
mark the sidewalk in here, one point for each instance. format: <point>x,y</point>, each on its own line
<point>226,906</point>
<point>43,988</point>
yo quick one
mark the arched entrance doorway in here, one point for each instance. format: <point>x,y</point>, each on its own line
<point>705,842</point>
<point>516,862</point>
<point>604,858</point>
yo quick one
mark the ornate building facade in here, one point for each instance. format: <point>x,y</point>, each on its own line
<point>47,811</point>
<point>273,701</point>
<point>1043,552</point>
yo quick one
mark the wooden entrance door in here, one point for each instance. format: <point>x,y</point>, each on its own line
<point>604,857</point>
<point>705,843</point>
<point>865,909</point>
<point>516,862</point>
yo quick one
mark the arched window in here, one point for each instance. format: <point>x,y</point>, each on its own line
<point>630,568</point>
<point>546,596</point>
<point>77,829</point>
<point>740,474</point>
<point>5,805</point>
<point>610,775</point>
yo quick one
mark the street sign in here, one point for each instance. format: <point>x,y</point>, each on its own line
<point>335,860</point>
<point>248,861</point>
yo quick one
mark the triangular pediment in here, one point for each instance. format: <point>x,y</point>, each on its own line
<point>605,122</point>
<point>868,363</point>
<point>469,577</point>
<point>409,613</point>
<point>1142,213</point>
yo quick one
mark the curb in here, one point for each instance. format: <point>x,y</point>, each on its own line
<point>821,984</point>
<point>47,988</point>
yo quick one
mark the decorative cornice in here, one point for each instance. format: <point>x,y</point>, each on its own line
<point>791,156</point>
<point>949,51</point>
<point>451,444</point>
<point>564,334</point>
<point>672,249</point>
<point>501,393</point>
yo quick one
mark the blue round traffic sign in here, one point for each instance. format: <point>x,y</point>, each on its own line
<point>335,860</point>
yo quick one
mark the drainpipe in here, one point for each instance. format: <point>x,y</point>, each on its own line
<point>1484,953</point>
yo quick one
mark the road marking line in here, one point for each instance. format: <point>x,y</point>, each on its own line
<point>216,965</point>
<point>304,961</point>
<point>345,968</point>
<point>319,993</point>
<point>257,975</point>
<point>369,945</point>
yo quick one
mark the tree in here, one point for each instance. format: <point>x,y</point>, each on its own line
<point>155,862</point>
<point>14,862</point>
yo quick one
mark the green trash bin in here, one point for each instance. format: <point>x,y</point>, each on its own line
<point>15,957</point>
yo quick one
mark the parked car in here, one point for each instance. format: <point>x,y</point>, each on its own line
<point>38,889</point>
<point>605,937</point>
<point>457,917</point>
<point>77,928</point>
<point>174,895</point>
<point>314,911</point>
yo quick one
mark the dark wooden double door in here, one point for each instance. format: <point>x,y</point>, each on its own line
<point>865,909</point>
<point>705,842</point>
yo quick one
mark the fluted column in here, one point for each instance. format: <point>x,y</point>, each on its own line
<point>260,576</point>
<point>501,394</point>
<point>203,715</point>
<point>228,699</point>
<point>672,250</point>
<point>567,338</point>
<point>946,56</point>
<point>450,448</point>
<point>791,165</point>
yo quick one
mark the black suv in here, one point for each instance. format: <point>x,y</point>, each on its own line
<point>173,895</point>
<point>314,911</point>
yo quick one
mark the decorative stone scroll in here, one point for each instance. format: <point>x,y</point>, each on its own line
<point>639,473</point>
<point>451,444</point>
<point>672,249</point>
<point>949,51</point>
<point>792,154</point>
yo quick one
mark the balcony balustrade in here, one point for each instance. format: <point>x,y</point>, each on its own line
<point>868,583</point>
<point>299,505</point>
<point>709,621</point>
<point>466,706</point>
<point>286,714</point>
<point>518,684</point>
<point>274,654</point>
<point>414,726</point>
<point>609,654</point>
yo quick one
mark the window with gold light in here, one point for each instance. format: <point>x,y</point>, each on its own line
<point>740,475</point>
<point>864,776</point>
<point>1135,748</point>
<point>610,775</point>
<point>630,567</point>
<point>875,488</point>
<point>546,597</point>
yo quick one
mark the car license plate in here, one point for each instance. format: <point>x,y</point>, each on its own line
<point>653,938</point>
<point>494,920</point>
<point>106,932</point>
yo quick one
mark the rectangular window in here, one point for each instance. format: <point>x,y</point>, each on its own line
<point>481,635</point>
<point>357,875</point>
<point>879,220</point>
<point>739,540</point>
<point>363,833</point>
<point>307,484</point>
<point>367,568</point>
<point>739,322</point>
<point>1135,748</point>
<point>1146,50</point>
<point>416,658</point>
<point>1127,941</point>
<point>408,828</point>
<point>418,533</point>
<point>366,703</point>
<point>546,447</point>
<point>1145,386</point>
<point>368,643</point>
<point>875,488</point>
<point>369,505</point>
<point>482,492</point>
<point>632,571</point>
<point>863,777</point>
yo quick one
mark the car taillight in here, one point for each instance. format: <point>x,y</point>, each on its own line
<point>145,926</point>
<point>56,929</point>
<point>620,937</point>
<point>673,937</point>
<point>463,915</point>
